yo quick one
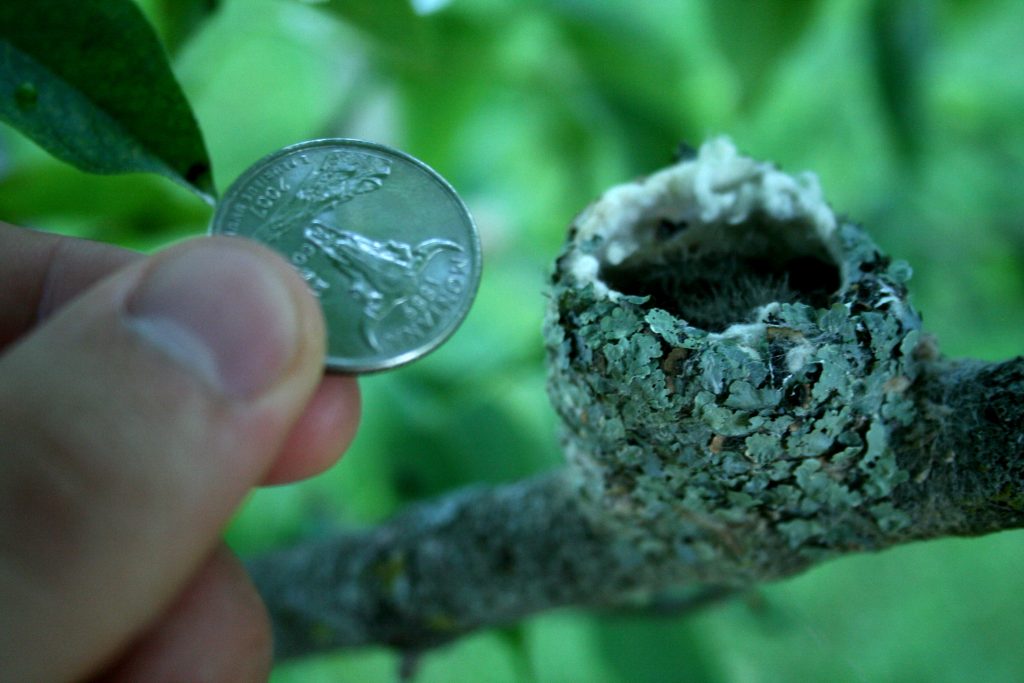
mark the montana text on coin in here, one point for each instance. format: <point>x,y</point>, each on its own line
<point>380,238</point>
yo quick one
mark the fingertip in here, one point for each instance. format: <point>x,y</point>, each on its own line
<point>322,433</point>
<point>231,311</point>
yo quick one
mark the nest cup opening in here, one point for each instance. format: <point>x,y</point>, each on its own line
<point>714,275</point>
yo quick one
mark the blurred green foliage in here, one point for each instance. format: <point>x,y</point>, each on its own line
<point>912,114</point>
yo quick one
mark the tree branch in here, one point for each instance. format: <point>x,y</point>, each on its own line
<point>745,392</point>
<point>480,557</point>
<point>965,454</point>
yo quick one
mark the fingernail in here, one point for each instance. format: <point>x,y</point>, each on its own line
<point>220,311</point>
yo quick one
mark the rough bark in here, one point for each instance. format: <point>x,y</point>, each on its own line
<point>480,557</point>
<point>745,392</point>
<point>965,454</point>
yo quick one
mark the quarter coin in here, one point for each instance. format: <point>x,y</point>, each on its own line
<point>383,241</point>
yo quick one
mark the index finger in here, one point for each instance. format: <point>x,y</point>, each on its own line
<point>40,272</point>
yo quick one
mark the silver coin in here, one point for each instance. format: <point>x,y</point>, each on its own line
<point>382,240</point>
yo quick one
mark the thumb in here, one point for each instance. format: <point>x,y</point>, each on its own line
<point>131,425</point>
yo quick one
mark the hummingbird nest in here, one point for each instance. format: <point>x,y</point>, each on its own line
<point>730,359</point>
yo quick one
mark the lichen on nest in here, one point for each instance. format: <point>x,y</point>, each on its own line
<point>729,359</point>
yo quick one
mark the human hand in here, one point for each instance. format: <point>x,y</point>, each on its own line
<point>140,400</point>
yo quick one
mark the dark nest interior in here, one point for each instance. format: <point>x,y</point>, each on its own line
<point>714,276</point>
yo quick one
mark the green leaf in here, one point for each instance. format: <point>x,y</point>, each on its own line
<point>638,73</point>
<point>179,19</point>
<point>88,81</point>
<point>393,25</point>
<point>756,36</point>
<point>383,19</point>
<point>900,41</point>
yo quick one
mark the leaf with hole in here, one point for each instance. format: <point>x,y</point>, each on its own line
<point>88,81</point>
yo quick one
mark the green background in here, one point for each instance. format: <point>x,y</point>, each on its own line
<point>911,113</point>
